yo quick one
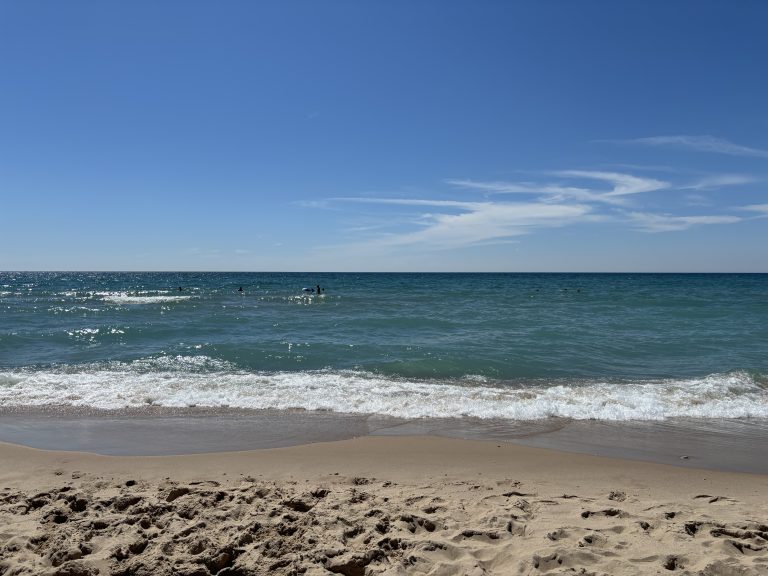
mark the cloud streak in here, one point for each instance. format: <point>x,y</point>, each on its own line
<point>477,222</point>
<point>720,181</point>
<point>516,187</point>
<point>667,223</point>
<point>574,197</point>
<point>759,208</point>
<point>412,202</point>
<point>703,144</point>
<point>622,185</point>
<point>490,222</point>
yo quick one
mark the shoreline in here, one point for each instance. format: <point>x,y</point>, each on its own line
<point>728,445</point>
<point>375,505</point>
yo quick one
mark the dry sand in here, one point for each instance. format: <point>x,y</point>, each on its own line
<point>401,505</point>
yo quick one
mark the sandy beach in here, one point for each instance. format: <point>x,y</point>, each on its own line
<point>375,505</point>
<point>383,288</point>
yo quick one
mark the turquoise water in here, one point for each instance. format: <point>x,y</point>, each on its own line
<point>516,346</point>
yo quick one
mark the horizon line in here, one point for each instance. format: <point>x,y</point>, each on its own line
<point>367,272</point>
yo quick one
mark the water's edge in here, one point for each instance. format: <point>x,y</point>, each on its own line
<point>732,445</point>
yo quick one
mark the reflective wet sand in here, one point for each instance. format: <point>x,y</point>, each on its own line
<point>736,445</point>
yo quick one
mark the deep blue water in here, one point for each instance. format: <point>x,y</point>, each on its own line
<point>490,345</point>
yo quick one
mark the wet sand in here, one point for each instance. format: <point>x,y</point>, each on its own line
<point>734,445</point>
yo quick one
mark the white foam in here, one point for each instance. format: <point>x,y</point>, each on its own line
<point>139,298</point>
<point>8,380</point>
<point>202,381</point>
<point>72,309</point>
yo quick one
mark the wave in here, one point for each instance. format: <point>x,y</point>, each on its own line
<point>139,298</point>
<point>201,381</point>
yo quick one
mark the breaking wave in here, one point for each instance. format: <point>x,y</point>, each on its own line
<point>179,381</point>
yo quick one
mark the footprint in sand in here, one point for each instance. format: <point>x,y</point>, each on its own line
<point>558,534</point>
<point>607,512</point>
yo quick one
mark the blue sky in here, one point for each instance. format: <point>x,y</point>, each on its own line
<point>378,136</point>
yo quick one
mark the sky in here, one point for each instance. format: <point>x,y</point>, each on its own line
<point>354,135</point>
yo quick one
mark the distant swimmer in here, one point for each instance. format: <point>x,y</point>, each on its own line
<point>180,288</point>
<point>240,289</point>
<point>318,289</point>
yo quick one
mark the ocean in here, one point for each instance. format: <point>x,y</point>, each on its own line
<point>510,347</point>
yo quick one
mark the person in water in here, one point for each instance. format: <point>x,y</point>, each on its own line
<point>318,289</point>
<point>240,289</point>
<point>180,288</point>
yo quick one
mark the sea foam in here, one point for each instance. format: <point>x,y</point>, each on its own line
<point>139,298</point>
<point>201,381</point>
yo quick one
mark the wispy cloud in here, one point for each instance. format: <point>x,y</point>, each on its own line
<point>489,222</point>
<point>760,208</point>
<point>547,192</point>
<point>312,203</point>
<point>517,187</point>
<point>703,144</point>
<point>477,222</point>
<point>719,181</point>
<point>643,167</point>
<point>569,197</point>
<point>648,222</point>
<point>623,184</point>
<point>411,202</point>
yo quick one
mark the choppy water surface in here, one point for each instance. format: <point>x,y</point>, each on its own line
<point>509,346</point>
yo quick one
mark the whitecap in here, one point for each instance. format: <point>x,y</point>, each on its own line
<point>139,297</point>
<point>178,381</point>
